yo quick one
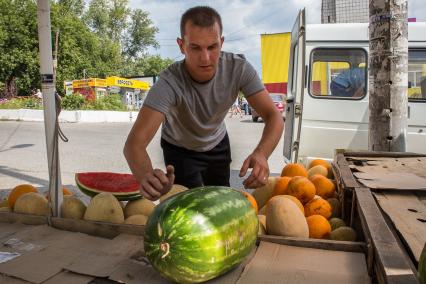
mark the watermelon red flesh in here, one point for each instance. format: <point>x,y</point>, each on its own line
<point>120,185</point>
<point>200,234</point>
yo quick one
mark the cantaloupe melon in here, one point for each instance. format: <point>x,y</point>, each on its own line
<point>284,218</point>
<point>140,206</point>
<point>324,186</point>
<point>72,208</point>
<point>176,188</point>
<point>138,219</point>
<point>17,191</point>
<point>318,170</point>
<point>318,206</point>
<point>319,227</point>
<point>296,201</point>
<point>301,188</point>
<point>264,193</point>
<point>31,203</point>
<point>262,224</point>
<point>104,207</point>
<point>293,169</point>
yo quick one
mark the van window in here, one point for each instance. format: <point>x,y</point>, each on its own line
<point>417,75</point>
<point>294,69</point>
<point>338,73</point>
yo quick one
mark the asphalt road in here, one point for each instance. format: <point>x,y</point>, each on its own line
<point>98,147</point>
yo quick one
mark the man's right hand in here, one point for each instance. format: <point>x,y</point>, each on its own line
<point>157,183</point>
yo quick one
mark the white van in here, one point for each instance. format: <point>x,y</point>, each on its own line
<point>323,113</point>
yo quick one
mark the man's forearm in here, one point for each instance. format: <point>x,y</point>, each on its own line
<point>138,161</point>
<point>271,135</point>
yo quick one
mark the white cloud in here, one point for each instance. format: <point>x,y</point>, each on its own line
<point>243,21</point>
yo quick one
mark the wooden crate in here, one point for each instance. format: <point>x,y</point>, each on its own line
<point>393,238</point>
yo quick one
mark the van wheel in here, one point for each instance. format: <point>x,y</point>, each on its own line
<point>255,119</point>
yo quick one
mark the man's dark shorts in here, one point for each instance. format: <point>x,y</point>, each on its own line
<point>193,169</point>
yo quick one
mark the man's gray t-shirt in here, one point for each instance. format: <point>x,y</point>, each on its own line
<point>195,112</point>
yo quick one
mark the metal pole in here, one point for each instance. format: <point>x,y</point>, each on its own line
<point>50,119</point>
<point>388,73</point>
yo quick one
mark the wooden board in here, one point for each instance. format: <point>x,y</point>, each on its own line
<point>408,214</point>
<point>391,263</point>
<point>315,243</point>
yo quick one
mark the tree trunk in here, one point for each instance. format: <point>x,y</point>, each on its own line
<point>10,89</point>
<point>388,75</point>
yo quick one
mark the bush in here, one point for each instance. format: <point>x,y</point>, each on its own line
<point>21,102</point>
<point>72,102</point>
<point>108,102</point>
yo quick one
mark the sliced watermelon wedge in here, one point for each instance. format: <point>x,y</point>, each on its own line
<point>122,186</point>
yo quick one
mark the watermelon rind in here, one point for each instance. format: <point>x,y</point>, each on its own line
<point>120,195</point>
<point>201,233</point>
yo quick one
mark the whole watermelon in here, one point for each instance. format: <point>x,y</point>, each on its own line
<point>200,234</point>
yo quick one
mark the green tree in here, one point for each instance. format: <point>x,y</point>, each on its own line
<point>140,34</point>
<point>18,47</point>
<point>148,65</point>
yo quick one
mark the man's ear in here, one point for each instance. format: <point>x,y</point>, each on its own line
<point>181,44</point>
<point>222,39</point>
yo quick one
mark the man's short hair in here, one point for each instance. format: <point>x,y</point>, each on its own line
<point>202,16</point>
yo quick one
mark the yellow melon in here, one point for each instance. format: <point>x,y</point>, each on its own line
<point>264,193</point>
<point>285,219</point>
<point>72,208</point>
<point>296,201</point>
<point>176,188</point>
<point>32,203</point>
<point>140,206</point>
<point>262,224</point>
<point>17,191</point>
<point>324,163</point>
<point>104,207</point>
<point>138,219</point>
<point>318,170</point>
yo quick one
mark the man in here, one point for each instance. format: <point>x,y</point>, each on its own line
<point>191,100</point>
<point>349,83</point>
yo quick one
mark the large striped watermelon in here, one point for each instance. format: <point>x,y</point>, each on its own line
<point>122,186</point>
<point>200,234</point>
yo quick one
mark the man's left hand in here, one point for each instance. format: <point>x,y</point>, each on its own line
<point>260,170</point>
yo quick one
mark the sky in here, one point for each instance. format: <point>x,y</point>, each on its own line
<point>243,21</point>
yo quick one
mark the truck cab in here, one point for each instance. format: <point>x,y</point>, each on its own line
<point>327,101</point>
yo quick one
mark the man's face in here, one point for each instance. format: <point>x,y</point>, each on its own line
<point>201,47</point>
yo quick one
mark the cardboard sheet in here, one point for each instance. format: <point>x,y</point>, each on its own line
<point>101,256</point>
<point>408,214</point>
<point>55,250</point>
<point>394,180</point>
<point>135,272</point>
<point>275,263</point>
<point>66,277</point>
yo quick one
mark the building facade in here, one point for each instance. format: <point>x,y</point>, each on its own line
<point>344,11</point>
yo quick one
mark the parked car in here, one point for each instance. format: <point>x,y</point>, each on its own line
<point>279,101</point>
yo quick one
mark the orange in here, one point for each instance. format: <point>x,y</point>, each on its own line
<point>325,187</point>
<point>318,206</point>
<point>319,227</point>
<point>301,188</point>
<point>65,192</point>
<point>321,162</point>
<point>17,191</point>
<point>252,201</point>
<point>293,169</point>
<point>281,186</point>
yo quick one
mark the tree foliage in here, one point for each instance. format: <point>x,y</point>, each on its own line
<point>99,39</point>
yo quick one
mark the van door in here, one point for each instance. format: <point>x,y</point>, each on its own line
<point>295,89</point>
